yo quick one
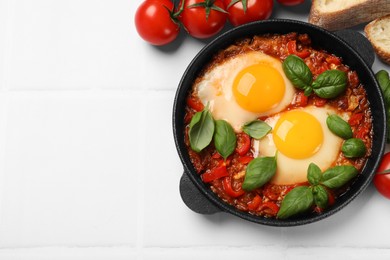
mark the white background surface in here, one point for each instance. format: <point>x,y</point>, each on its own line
<point>88,166</point>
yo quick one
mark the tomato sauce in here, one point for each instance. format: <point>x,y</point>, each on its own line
<point>226,177</point>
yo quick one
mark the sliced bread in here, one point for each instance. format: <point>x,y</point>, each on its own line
<point>339,14</point>
<point>378,32</point>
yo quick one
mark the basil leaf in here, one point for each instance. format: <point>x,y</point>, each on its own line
<point>297,201</point>
<point>353,148</point>
<point>330,84</point>
<point>314,174</point>
<point>338,176</point>
<point>320,195</point>
<point>224,138</point>
<point>339,127</point>
<point>201,130</point>
<point>257,129</point>
<point>384,82</point>
<point>308,90</point>
<point>258,172</point>
<point>383,79</point>
<point>297,72</point>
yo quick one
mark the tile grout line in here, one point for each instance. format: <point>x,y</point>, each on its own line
<point>8,45</point>
<point>141,180</point>
<point>4,105</point>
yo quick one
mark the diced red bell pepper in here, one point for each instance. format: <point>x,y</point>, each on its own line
<point>362,132</point>
<point>319,102</point>
<point>300,99</point>
<point>269,208</point>
<point>195,103</point>
<point>227,186</point>
<point>215,173</point>
<point>292,49</point>
<point>254,204</point>
<point>356,119</point>
<point>333,60</point>
<point>245,159</point>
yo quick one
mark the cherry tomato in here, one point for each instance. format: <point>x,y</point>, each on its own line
<point>203,18</point>
<point>382,180</point>
<point>154,22</point>
<point>290,2</point>
<point>195,103</point>
<point>243,144</point>
<point>245,11</point>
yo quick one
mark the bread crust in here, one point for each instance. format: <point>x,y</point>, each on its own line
<point>383,54</point>
<point>349,17</point>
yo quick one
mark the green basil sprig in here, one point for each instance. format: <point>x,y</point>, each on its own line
<point>201,130</point>
<point>300,199</point>
<point>314,174</point>
<point>257,129</point>
<point>321,197</point>
<point>384,81</point>
<point>297,201</point>
<point>297,72</point>
<point>339,127</point>
<point>328,84</point>
<point>258,172</point>
<point>338,176</point>
<point>353,148</point>
<point>224,138</point>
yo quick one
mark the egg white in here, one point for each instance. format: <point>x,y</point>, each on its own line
<point>215,89</point>
<point>292,171</point>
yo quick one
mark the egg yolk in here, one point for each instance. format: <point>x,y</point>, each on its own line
<point>258,88</point>
<point>298,134</point>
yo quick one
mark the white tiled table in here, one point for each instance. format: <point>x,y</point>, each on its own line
<point>88,166</point>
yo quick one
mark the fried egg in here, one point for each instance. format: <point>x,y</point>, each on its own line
<point>245,87</point>
<point>299,137</point>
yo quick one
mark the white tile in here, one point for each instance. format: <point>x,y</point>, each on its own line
<point>227,253</point>
<point>167,221</point>
<point>3,39</point>
<point>326,253</point>
<point>82,44</point>
<point>63,253</point>
<point>69,169</point>
<point>361,224</point>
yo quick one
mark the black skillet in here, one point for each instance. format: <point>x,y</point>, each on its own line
<point>198,196</point>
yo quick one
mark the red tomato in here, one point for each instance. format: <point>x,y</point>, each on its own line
<point>195,103</point>
<point>382,180</point>
<point>203,18</point>
<point>154,22</point>
<point>290,2</point>
<point>245,11</point>
<point>243,144</point>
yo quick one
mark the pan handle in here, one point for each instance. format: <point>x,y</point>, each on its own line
<point>359,43</point>
<point>194,199</point>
